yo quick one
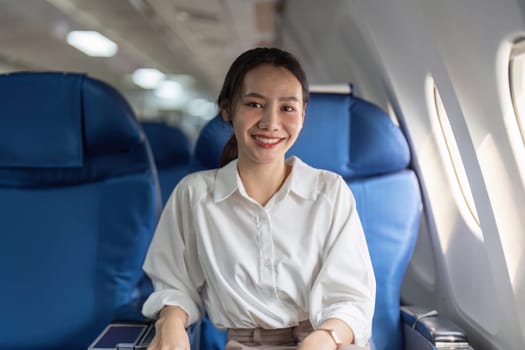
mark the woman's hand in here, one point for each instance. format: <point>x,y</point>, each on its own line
<point>318,340</point>
<point>170,330</point>
<point>322,340</point>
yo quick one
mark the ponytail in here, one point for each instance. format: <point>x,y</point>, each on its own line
<point>229,152</point>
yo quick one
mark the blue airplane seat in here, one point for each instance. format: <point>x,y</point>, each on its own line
<point>79,201</point>
<point>359,141</point>
<point>210,142</point>
<point>172,150</point>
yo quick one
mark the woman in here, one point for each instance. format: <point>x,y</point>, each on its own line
<point>271,248</point>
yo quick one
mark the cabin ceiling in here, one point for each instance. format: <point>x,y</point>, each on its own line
<point>195,37</point>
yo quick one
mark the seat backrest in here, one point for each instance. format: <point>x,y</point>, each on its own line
<point>79,200</point>
<point>172,150</point>
<point>359,141</point>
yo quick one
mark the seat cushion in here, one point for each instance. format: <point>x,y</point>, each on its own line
<point>389,207</point>
<point>70,257</point>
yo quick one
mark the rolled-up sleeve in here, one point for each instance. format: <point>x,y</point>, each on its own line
<point>345,286</point>
<point>172,260</point>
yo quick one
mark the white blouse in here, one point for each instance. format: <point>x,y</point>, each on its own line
<point>302,255</point>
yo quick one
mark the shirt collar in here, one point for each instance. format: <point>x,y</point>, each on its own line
<point>226,181</point>
<point>303,180</point>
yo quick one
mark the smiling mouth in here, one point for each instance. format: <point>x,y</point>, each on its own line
<point>267,142</point>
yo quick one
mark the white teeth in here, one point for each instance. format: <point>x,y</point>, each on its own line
<point>267,140</point>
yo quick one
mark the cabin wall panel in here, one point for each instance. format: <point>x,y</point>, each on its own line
<point>389,49</point>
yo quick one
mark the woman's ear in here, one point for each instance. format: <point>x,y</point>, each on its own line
<point>225,115</point>
<point>225,111</point>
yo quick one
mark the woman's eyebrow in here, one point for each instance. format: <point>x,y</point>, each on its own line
<point>257,95</point>
<point>254,94</point>
<point>289,98</point>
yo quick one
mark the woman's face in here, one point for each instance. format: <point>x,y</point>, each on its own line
<point>268,115</point>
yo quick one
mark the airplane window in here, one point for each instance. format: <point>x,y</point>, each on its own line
<point>450,150</point>
<point>392,113</point>
<point>517,84</point>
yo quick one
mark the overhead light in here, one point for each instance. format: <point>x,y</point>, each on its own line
<point>171,94</point>
<point>92,43</point>
<point>169,89</point>
<point>202,108</point>
<point>148,78</point>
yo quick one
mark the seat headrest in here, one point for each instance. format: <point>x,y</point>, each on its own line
<point>50,120</point>
<point>341,133</point>
<point>170,145</point>
<point>58,128</point>
<point>350,136</point>
<point>39,123</point>
<point>208,148</point>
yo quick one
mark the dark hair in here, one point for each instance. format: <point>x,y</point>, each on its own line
<point>231,88</point>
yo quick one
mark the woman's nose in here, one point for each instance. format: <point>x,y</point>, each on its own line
<point>269,119</point>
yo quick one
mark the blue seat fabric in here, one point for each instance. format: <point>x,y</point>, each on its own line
<point>79,201</point>
<point>172,150</point>
<point>359,141</point>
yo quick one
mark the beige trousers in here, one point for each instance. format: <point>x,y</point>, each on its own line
<point>273,339</point>
<point>234,345</point>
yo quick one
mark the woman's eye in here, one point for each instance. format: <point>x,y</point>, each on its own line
<point>288,109</point>
<point>254,104</point>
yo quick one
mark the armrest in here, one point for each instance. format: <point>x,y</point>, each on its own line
<point>124,336</point>
<point>425,329</point>
<point>133,335</point>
